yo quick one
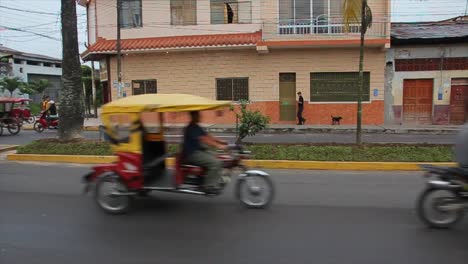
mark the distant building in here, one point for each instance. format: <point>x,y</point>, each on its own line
<point>427,73</point>
<point>31,67</point>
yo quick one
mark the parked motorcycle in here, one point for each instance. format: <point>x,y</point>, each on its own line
<point>42,124</point>
<point>444,201</point>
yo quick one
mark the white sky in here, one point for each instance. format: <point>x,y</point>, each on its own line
<point>402,10</point>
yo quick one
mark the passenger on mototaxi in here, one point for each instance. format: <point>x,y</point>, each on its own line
<point>195,152</point>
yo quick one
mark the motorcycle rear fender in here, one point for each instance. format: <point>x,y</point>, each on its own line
<point>444,185</point>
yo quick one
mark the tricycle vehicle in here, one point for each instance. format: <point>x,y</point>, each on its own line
<point>135,128</point>
<point>10,117</point>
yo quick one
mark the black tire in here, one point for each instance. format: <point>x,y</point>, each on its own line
<point>38,127</point>
<point>102,199</point>
<point>456,216</point>
<point>14,128</point>
<point>268,189</point>
<point>1,130</point>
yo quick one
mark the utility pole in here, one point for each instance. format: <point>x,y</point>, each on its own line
<point>93,86</point>
<point>119,55</point>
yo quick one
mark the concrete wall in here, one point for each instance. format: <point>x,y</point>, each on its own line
<point>442,79</point>
<point>195,73</point>
<point>92,22</point>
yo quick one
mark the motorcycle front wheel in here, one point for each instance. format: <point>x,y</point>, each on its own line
<point>440,208</point>
<point>255,191</point>
<point>31,120</point>
<point>38,127</point>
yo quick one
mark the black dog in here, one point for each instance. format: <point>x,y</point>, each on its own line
<point>336,120</point>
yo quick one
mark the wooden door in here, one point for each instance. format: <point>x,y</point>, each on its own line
<point>287,96</point>
<point>417,101</point>
<point>457,101</point>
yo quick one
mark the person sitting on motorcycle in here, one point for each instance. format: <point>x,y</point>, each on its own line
<point>51,111</point>
<point>194,152</point>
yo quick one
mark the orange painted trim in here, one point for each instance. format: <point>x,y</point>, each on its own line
<point>292,43</point>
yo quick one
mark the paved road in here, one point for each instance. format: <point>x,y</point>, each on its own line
<point>318,217</point>
<point>27,136</point>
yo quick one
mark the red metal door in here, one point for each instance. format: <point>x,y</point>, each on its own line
<point>417,101</point>
<point>457,101</point>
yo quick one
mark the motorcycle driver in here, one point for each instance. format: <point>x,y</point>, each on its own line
<point>461,144</point>
<point>51,110</point>
<point>194,152</point>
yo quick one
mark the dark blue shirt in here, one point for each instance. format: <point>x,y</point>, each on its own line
<point>192,143</point>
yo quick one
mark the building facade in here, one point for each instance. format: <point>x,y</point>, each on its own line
<point>264,51</point>
<point>29,68</point>
<point>427,73</point>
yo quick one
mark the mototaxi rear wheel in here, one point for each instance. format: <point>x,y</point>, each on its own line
<point>107,198</point>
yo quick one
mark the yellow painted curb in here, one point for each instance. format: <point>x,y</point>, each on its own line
<point>267,164</point>
<point>6,148</point>
<point>62,158</point>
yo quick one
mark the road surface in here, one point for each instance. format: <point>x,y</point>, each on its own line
<point>317,217</point>
<point>28,136</point>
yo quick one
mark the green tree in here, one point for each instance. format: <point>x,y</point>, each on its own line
<point>358,11</point>
<point>11,84</point>
<point>250,122</point>
<point>40,86</point>
<point>71,107</point>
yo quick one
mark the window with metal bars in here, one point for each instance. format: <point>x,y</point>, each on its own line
<point>130,14</point>
<point>144,87</point>
<point>183,12</point>
<point>337,86</point>
<point>232,89</point>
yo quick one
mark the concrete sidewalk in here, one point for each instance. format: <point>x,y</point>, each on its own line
<point>92,124</point>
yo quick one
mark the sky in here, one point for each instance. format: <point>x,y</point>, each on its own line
<point>48,23</point>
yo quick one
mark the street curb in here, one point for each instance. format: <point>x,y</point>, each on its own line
<point>314,130</point>
<point>8,148</point>
<point>266,164</point>
<point>87,128</point>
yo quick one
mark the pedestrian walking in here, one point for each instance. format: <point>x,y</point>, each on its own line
<point>300,109</point>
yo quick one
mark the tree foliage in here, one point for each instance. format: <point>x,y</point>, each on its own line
<point>250,122</point>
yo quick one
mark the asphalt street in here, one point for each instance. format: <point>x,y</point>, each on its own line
<point>317,217</point>
<point>28,136</point>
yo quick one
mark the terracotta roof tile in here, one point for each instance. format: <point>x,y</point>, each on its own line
<point>104,45</point>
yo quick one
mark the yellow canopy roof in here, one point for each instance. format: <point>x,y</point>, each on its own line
<point>162,103</point>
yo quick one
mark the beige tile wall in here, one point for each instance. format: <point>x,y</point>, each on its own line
<point>195,72</point>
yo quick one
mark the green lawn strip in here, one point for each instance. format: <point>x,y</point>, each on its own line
<point>373,153</point>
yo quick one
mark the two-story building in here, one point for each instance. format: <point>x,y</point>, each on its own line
<point>264,51</point>
<point>30,67</point>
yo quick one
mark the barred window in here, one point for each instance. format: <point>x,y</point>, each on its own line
<point>130,14</point>
<point>231,12</point>
<point>232,89</point>
<point>337,86</point>
<point>183,12</point>
<point>144,87</point>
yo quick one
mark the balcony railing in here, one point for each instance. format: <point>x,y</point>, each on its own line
<point>320,26</point>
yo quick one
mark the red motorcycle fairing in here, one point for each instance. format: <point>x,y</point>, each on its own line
<point>128,167</point>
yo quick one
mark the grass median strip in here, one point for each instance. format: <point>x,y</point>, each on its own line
<point>366,153</point>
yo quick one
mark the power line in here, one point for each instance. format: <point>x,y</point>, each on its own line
<point>29,11</point>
